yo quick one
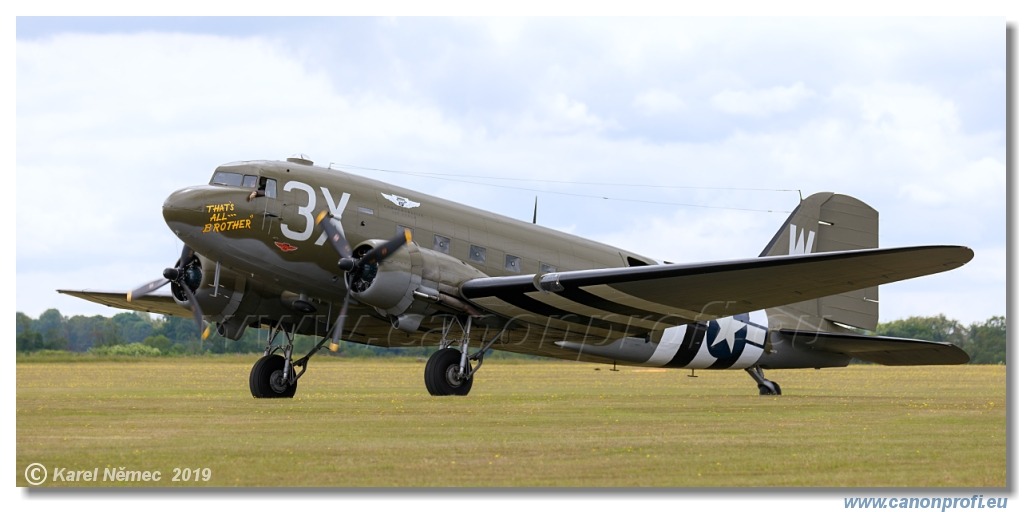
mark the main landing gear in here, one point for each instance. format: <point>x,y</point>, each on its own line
<point>274,375</point>
<point>444,374</point>
<point>271,377</point>
<point>450,371</point>
<point>764,386</point>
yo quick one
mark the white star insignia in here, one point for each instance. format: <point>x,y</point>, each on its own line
<point>727,329</point>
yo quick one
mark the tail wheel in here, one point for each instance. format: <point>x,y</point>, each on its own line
<point>267,379</point>
<point>769,388</point>
<point>442,374</point>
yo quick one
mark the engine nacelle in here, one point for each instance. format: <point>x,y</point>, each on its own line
<point>408,286</point>
<point>387,285</point>
<point>205,281</point>
<point>409,282</point>
<point>226,298</point>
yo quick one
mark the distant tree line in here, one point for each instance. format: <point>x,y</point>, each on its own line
<point>984,341</point>
<point>134,333</point>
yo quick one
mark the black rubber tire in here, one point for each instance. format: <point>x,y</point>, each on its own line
<point>260,378</point>
<point>436,374</point>
<point>770,389</point>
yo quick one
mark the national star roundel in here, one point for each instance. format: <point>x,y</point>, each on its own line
<point>727,336</point>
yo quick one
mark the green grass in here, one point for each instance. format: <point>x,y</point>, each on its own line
<point>371,423</point>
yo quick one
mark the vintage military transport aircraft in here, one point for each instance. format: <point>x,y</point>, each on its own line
<point>302,249</point>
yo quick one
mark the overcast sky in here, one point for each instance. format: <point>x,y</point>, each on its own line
<point>682,139</point>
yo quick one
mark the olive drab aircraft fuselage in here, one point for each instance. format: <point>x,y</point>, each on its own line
<point>302,249</point>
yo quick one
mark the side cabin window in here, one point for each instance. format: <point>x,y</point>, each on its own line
<point>513,263</point>
<point>477,254</point>
<point>442,244</point>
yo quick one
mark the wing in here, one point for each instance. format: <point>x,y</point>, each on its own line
<point>163,304</point>
<point>616,302</point>
<point>881,349</point>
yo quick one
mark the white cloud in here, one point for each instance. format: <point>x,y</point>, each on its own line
<point>900,107</point>
<point>762,102</point>
<point>697,235</point>
<point>560,114</point>
<point>659,101</point>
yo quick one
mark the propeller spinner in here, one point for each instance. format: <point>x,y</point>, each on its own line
<point>182,277</point>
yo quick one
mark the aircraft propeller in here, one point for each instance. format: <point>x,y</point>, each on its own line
<point>349,263</point>
<point>179,276</point>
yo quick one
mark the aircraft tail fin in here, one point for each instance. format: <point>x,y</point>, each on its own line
<point>826,222</point>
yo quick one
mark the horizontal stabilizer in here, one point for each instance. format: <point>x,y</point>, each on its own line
<point>880,349</point>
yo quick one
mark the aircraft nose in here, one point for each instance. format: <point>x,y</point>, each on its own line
<point>208,210</point>
<point>192,211</point>
<point>184,208</point>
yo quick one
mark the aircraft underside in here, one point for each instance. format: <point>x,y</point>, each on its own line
<point>722,344</point>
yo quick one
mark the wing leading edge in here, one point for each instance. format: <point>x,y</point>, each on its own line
<point>609,302</point>
<point>163,304</point>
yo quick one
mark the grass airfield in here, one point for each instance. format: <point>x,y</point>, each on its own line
<point>371,423</point>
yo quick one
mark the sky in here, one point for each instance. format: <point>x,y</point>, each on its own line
<point>683,139</point>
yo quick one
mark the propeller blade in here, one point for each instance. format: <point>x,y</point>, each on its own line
<point>186,254</point>
<point>197,312</point>
<point>337,239</point>
<point>175,275</point>
<point>339,324</point>
<point>334,235</point>
<point>147,288</point>
<point>382,251</point>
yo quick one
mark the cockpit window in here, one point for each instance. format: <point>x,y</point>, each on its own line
<point>231,179</point>
<point>263,186</point>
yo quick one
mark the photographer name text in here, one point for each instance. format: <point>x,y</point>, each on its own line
<point>124,474</point>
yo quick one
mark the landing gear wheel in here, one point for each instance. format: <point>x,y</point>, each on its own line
<point>769,388</point>
<point>442,374</point>
<point>265,379</point>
